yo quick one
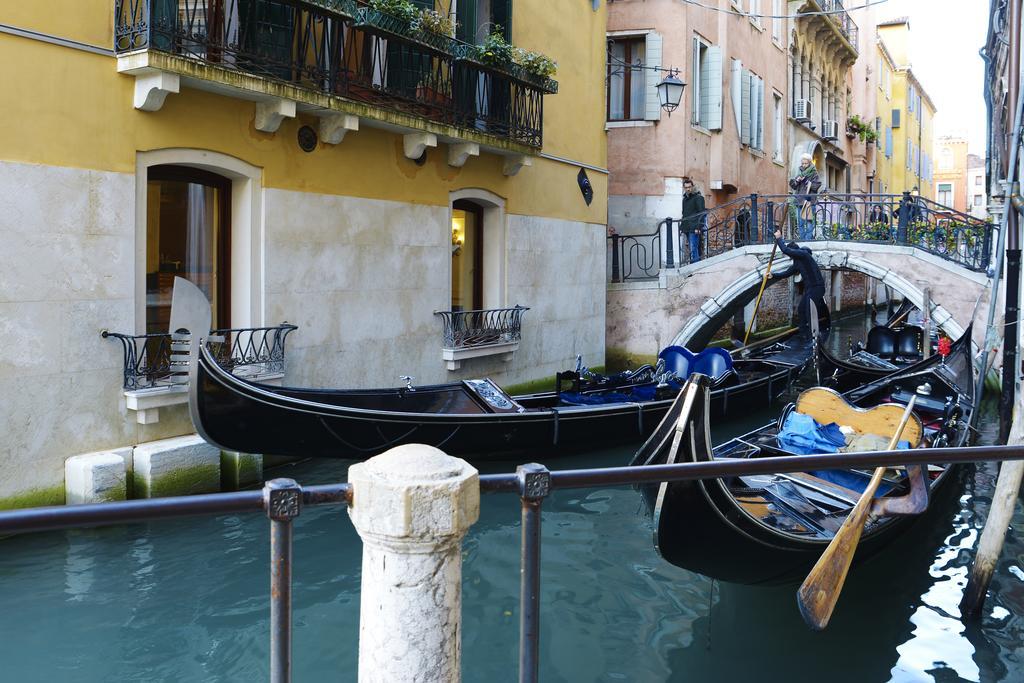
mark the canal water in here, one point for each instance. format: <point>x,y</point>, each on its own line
<point>187,600</point>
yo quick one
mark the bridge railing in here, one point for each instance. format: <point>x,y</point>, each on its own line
<point>896,219</point>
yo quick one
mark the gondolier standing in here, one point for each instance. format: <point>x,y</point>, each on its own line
<point>814,283</point>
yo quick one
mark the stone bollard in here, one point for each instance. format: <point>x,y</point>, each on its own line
<point>412,506</point>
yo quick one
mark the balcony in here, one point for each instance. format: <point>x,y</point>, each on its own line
<point>339,59</point>
<point>837,22</point>
<point>156,377</point>
<point>487,332</point>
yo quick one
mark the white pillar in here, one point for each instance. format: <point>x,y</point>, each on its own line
<point>412,506</point>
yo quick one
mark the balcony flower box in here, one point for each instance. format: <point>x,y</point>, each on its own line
<point>472,54</point>
<point>345,8</point>
<point>385,25</point>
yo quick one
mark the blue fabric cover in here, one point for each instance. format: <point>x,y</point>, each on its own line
<point>802,435</point>
<point>713,362</point>
<point>678,360</point>
<point>638,394</point>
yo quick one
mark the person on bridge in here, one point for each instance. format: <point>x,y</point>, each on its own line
<point>813,283</point>
<point>692,222</point>
<point>805,185</point>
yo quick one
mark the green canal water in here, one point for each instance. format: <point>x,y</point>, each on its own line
<point>187,600</point>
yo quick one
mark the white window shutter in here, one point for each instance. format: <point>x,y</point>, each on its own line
<point>711,78</point>
<point>736,92</point>
<point>760,114</point>
<point>652,104</point>
<point>745,110</point>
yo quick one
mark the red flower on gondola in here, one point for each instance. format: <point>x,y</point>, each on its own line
<point>944,346</point>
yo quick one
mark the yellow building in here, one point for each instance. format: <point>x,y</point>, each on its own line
<point>326,163</point>
<point>904,117</point>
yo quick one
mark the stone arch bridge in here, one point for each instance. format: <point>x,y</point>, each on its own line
<point>686,305</point>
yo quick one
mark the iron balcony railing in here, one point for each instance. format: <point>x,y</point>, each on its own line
<point>344,48</point>
<point>246,351</point>
<point>901,219</point>
<point>841,19</point>
<point>282,501</point>
<point>486,327</point>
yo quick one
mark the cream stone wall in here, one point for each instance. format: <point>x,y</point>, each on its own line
<point>66,274</point>
<point>324,251</point>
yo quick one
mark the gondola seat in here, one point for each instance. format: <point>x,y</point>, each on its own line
<point>908,343</point>
<point>678,361</point>
<point>826,406</point>
<point>882,342</point>
<point>713,362</point>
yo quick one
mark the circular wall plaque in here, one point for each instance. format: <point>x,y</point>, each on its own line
<point>307,139</point>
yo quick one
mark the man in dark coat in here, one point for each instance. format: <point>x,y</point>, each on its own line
<point>693,218</point>
<point>813,281</point>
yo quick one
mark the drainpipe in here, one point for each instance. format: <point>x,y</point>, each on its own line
<point>1010,337</point>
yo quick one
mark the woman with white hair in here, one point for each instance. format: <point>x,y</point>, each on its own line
<point>805,185</point>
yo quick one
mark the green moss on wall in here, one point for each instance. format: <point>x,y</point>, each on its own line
<point>34,498</point>
<point>181,482</point>
<point>617,360</point>
<point>240,470</point>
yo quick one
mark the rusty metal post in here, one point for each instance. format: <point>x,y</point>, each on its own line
<point>282,499</point>
<point>534,486</point>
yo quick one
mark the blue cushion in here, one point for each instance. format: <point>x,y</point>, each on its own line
<point>713,362</point>
<point>678,361</point>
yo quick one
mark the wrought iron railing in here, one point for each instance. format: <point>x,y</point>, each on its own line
<point>246,351</point>
<point>842,20</point>
<point>344,48</point>
<point>488,327</point>
<point>902,220</point>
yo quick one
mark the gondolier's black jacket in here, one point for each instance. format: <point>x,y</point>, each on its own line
<point>803,263</point>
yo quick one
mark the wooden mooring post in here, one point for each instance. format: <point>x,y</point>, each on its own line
<point>990,547</point>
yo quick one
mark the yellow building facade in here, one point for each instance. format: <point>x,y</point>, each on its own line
<point>904,117</point>
<point>323,163</point>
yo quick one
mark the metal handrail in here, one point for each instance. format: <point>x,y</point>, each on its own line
<point>897,219</point>
<point>283,499</point>
<point>147,357</point>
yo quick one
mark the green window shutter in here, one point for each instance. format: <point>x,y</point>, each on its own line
<point>501,15</point>
<point>268,32</point>
<point>465,14</point>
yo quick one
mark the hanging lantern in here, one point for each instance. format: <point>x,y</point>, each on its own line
<point>670,91</point>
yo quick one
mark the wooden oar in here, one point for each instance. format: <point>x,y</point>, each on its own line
<point>764,283</point>
<point>745,350</point>
<point>820,590</point>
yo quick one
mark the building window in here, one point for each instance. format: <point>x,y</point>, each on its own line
<point>944,194</point>
<point>977,181</point>
<point>778,22</point>
<point>187,235</point>
<point>752,110</point>
<point>626,91</point>
<point>878,132</point>
<point>754,9</point>
<point>888,142</point>
<point>779,119</point>
<point>706,85</point>
<point>467,256</point>
<point>978,199</point>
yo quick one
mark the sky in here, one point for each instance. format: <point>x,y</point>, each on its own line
<point>945,38</point>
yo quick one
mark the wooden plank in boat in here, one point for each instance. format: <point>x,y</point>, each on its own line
<point>826,405</point>
<point>491,397</point>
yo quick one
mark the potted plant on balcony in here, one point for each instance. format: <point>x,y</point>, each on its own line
<point>858,127</point>
<point>403,20</point>
<point>497,54</point>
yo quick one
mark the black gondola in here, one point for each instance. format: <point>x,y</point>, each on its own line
<point>772,529</point>
<point>891,347</point>
<point>468,417</point>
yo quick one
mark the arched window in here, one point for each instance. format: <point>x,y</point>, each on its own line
<point>188,233</point>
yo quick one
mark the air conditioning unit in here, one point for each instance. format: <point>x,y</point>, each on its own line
<point>802,110</point>
<point>830,130</point>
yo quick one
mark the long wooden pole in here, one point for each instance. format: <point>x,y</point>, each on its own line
<point>764,283</point>
<point>820,590</point>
